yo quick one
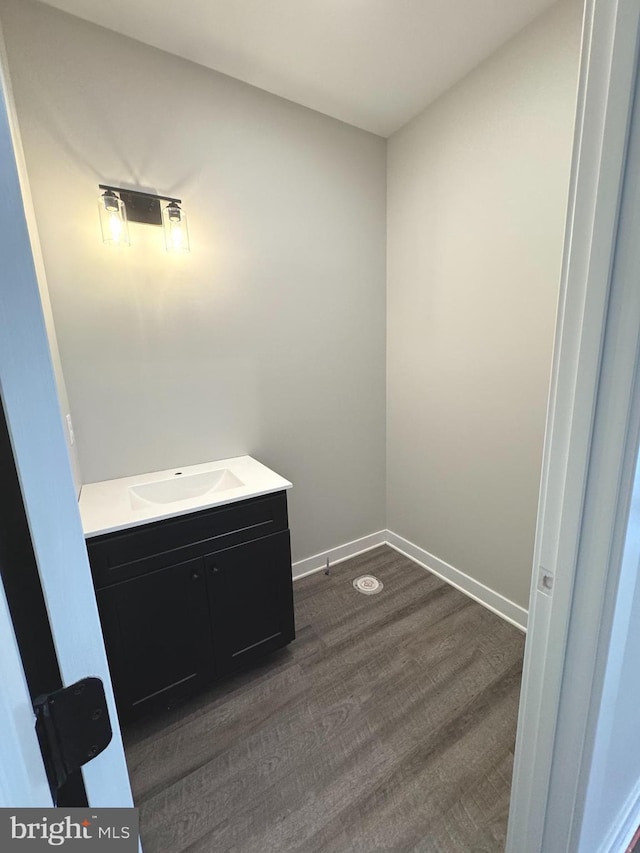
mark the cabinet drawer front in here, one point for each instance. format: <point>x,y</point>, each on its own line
<point>118,556</point>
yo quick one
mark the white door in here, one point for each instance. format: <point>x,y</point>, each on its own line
<point>29,397</point>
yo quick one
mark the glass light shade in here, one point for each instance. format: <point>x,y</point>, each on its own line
<point>176,233</point>
<point>113,220</point>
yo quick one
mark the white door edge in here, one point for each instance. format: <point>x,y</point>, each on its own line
<point>30,400</point>
<point>538,822</point>
<point>23,781</point>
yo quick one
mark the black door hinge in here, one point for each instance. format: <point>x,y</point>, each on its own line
<point>73,726</point>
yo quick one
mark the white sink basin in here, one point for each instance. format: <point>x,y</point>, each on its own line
<point>126,502</point>
<point>181,487</point>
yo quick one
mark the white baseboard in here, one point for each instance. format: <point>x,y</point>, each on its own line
<point>490,599</point>
<point>318,562</point>
<point>621,833</point>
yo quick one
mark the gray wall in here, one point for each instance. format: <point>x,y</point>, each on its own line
<point>477,190</point>
<point>269,339</point>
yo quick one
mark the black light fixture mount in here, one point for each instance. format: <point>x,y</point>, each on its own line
<point>141,207</point>
<point>118,206</point>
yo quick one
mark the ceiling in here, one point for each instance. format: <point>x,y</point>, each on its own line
<point>372,63</point>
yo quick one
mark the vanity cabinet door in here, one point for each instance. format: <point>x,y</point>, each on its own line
<point>158,636</point>
<point>251,598</point>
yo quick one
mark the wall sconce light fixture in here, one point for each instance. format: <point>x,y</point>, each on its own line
<point>176,235</point>
<point>117,206</point>
<point>113,219</point>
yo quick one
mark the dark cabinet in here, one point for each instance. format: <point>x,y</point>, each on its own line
<point>185,601</point>
<point>251,600</point>
<point>157,633</point>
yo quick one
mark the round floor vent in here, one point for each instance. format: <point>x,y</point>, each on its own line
<point>368,584</point>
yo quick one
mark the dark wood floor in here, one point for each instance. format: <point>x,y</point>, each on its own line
<point>388,725</point>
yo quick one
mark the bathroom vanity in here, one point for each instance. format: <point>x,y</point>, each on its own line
<point>192,571</point>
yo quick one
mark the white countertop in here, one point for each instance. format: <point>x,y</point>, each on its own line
<point>116,505</point>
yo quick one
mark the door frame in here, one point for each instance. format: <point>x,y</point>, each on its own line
<point>590,439</point>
